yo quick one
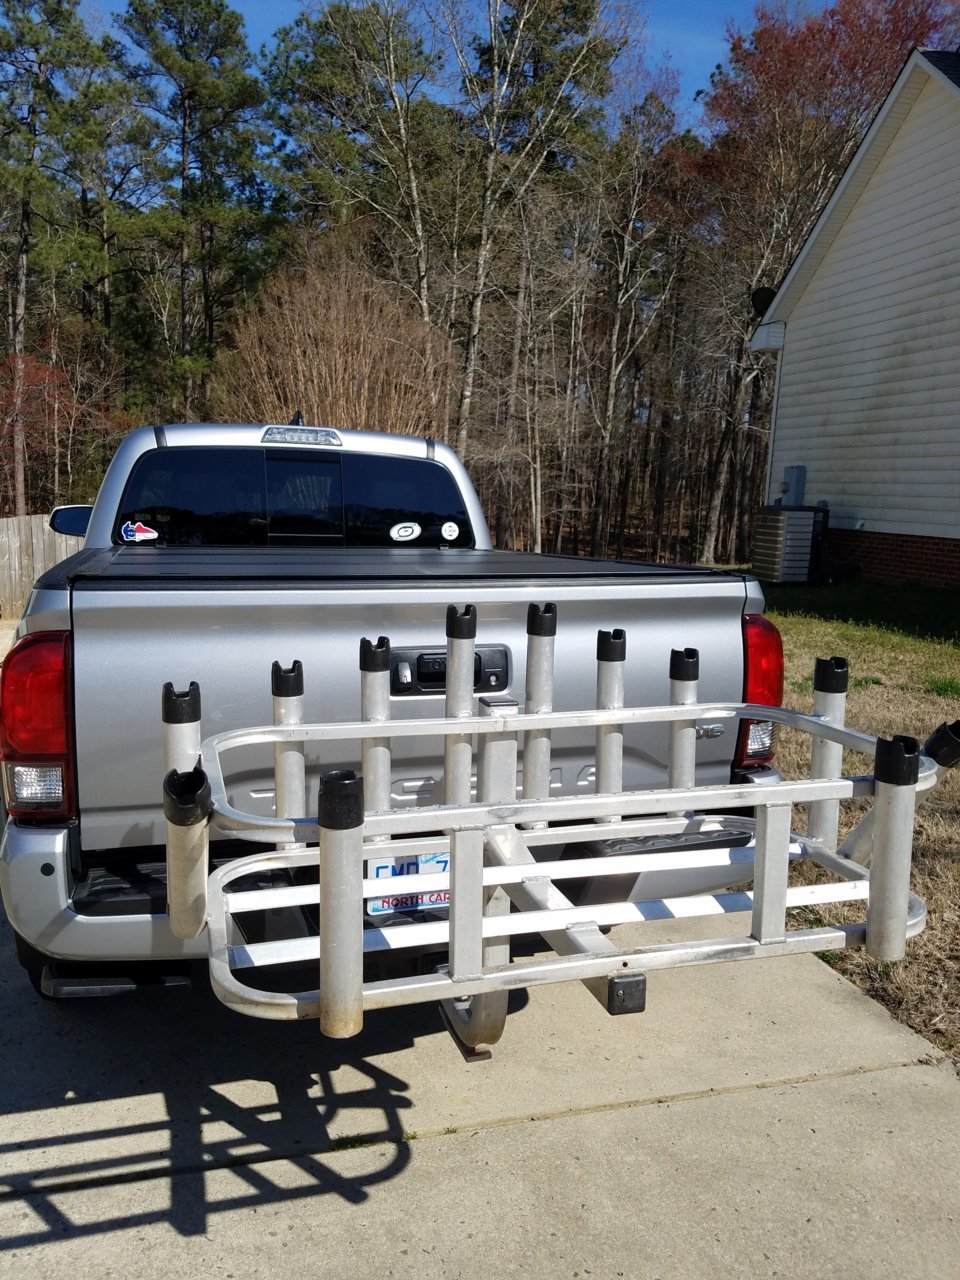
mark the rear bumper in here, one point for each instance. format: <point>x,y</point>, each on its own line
<point>37,887</point>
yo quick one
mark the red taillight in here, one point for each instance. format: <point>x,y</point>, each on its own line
<point>763,684</point>
<point>35,727</point>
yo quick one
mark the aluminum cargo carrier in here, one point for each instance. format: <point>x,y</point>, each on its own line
<point>386,907</point>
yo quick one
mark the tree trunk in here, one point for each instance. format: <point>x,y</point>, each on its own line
<point>55,407</point>
<point>105,300</point>
<point>185,345</point>
<point>18,389</point>
<point>472,352</point>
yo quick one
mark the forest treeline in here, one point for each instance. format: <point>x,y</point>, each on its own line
<point>483,224</point>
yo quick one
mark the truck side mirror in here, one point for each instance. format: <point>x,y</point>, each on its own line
<point>72,520</point>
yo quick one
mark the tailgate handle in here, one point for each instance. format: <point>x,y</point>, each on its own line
<point>424,671</point>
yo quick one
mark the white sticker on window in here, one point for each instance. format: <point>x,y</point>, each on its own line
<point>405,531</point>
<point>450,530</point>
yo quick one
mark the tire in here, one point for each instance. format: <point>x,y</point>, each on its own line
<point>33,963</point>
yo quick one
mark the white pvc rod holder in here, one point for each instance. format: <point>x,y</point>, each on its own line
<point>684,686</point>
<point>181,727</point>
<point>538,698</point>
<point>186,808</point>
<point>341,904</point>
<point>826,758</point>
<point>289,770</point>
<point>376,764</point>
<point>896,770</point>
<point>458,748</point>
<point>611,655</point>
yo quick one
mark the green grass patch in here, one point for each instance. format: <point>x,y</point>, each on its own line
<point>943,686</point>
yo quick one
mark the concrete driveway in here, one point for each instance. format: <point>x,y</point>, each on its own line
<point>761,1119</point>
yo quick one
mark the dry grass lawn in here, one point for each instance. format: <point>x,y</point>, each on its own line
<point>899,683</point>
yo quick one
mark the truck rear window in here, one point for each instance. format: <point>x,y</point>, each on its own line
<point>249,497</point>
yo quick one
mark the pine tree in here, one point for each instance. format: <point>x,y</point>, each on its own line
<point>198,81</point>
<point>42,43</point>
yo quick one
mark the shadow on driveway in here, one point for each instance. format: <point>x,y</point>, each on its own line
<point>153,1092</point>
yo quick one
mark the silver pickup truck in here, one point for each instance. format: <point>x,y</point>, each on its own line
<point>250,562</point>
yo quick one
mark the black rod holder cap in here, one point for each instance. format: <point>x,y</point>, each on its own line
<point>461,626</point>
<point>830,675</point>
<point>684,664</point>
<point>287,682</point>
<point>375,657</point>
<point>541,622</point>
<point>181,708</point>
<point>341,800</point>
<point>943,745</point>
<point>897,761</point>
<point>612,645</point>
<point>186,797</point>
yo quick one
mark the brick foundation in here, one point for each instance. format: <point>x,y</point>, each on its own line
<point>899,558</point>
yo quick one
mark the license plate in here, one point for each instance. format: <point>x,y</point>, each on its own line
<point>398,873</point>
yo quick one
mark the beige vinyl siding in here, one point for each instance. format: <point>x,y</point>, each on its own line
<point>869,386</point>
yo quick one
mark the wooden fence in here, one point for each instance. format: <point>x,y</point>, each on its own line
<point>28,547</point>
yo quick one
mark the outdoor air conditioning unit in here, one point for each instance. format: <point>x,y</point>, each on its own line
<point>787,541</point>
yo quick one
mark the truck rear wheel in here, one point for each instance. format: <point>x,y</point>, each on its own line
<point>33,962</point>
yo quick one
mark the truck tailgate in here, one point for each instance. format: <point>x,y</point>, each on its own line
<point>143,616</point>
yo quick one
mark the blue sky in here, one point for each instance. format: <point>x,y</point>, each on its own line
<point>689,32</point>
<point>692,33</point>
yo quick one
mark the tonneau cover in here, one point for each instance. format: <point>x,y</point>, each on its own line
<point>266,565</point>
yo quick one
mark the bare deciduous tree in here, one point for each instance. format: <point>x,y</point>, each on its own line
<point>329,339</point>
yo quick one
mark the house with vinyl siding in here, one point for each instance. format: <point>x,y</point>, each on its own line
<point>866,325</point>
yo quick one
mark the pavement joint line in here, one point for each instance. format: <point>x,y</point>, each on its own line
<point>347,1142</point>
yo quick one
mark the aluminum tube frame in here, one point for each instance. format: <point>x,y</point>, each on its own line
<point>392,993</point>
<point>352,731</point>
<point>683,736</point>
<point>422,820</point>
<point>188,848</point>
<point>858,845</point>
<point>496,872</point>
<point>771,871</point>
<point>289,767</point>
<point>505,847</point>
<point>480,1022</point>
<point>466,905</point>
<point>887,909</point>
<point>434,934</point>
<point>609,748</point>
<point>538,698</point>
<point>181,746</point>
<point>188,853</point>
<point>826,761</point>
<point>341,932</point>
<point>458,747</point>
<point>377,766</point>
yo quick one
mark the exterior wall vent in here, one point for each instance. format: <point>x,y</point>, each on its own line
<point>787,543</point>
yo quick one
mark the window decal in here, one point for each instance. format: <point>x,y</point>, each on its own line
<point>406,531</point>
<point>138,532</point>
